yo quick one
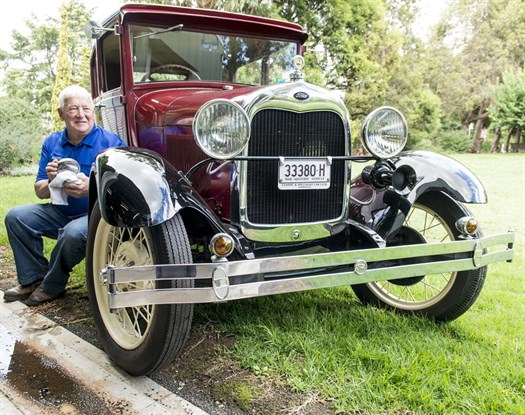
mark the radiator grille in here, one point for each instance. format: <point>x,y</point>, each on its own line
<point>285,133</point>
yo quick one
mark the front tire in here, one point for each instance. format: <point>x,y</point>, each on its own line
<point>441,297</point>
<point>144,339</point>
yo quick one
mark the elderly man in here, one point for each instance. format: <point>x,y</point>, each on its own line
<point>42,280</point>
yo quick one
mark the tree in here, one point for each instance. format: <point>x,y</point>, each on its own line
<point>407,89</point>
<point>258,7</point>
<point>508,107</point>
<point>484,38</point>
<point>30,70</point>
<point>351,51</point>
<point>64,67</point>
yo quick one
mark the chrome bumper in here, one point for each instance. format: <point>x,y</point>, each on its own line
<point>363,266</point>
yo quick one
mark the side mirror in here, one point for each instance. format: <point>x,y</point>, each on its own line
<point>94,30</point>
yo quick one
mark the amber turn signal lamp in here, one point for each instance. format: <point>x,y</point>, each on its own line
<point>222,245</point>
<point>467,225</point>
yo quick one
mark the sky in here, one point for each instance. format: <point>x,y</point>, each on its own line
<point>14,17</point>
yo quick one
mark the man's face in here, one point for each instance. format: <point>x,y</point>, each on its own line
<point>79,116</point>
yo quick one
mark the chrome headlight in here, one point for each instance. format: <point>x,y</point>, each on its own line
<point>385,132</point>
<point>221,128</point>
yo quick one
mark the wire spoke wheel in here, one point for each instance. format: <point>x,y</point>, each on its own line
<point>426,290</point>
<point>145,338</point>
<point>123,247</point>
<point>443,296</point>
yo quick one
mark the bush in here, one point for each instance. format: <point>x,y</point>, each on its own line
<point>15,151</point>
<point>21,132</point>
<point>452,141</point>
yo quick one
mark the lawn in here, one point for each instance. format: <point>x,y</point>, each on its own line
<point>366,361</point>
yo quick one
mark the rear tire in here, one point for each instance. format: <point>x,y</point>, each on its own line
<point>442,297</point>
<point>143,339</point>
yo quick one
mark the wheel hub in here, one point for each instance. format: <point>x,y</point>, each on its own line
<point>407,236</point>
<point>131,253</point>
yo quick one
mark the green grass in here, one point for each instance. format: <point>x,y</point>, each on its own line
<point>14,191</point>
<point>367,361</point>
<point>19,190</point>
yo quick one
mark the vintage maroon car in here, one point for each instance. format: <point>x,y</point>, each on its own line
<point>237,183</point>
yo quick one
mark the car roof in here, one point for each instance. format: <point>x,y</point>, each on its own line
<point>207,18</point>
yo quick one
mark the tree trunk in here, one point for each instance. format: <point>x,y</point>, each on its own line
<point>480,123</point>
<point>476,139</point>
<point>505,148</point>
<point>495,144</point>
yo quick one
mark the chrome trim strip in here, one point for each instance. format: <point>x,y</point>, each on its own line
<point>221,290</point>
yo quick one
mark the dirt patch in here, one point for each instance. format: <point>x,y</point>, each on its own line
<point>204,374</point>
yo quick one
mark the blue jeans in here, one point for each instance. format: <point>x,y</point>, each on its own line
<point>27,225</point>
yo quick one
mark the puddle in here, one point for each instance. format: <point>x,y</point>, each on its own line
<point>43,382</point>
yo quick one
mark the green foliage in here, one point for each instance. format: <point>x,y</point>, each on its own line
<point>30,70</point>
<point>20,132</point>
<point>452,141</point>
<point>421,107</point>
<point>508,108</point>
<point>257,7</point>
<point>64,65</point>
<point>350,48</point>
<point>472,46</point>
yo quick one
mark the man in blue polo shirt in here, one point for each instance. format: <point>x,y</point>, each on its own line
<point>42,280</point>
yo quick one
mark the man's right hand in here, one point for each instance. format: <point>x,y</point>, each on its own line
<point>52,169</point>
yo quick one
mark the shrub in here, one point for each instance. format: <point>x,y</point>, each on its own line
<point>452,141</point>
<point>21,132</point>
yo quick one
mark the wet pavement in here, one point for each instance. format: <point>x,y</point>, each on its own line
<point>46,369</point>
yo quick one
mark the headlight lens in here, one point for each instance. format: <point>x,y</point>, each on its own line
<point>221,128</point>
<point>385,132</point>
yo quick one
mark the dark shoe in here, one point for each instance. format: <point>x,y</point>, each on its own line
<point>20,292</point>
<point>39,296</point>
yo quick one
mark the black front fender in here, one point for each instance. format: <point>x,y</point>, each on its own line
<point>137,187</point>
<point>386,210</point>
<point>435,172</point>
<point>132,189</point>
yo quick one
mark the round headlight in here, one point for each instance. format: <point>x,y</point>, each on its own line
<point>385,132</point>
<point>221,128</point>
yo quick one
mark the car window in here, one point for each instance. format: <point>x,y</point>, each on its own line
<point>110,52</point>
<point>173,54</point>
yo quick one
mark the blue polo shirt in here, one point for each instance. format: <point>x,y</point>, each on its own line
<point>57,145</point>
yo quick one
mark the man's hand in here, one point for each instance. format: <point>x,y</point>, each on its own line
<point>77,189</point>
<point>52,169</point>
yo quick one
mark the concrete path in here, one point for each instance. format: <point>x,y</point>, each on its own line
<point>83,362</point>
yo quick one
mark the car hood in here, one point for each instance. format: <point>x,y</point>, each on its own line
<point>177,106</point>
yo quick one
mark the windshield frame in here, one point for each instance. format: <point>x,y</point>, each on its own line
<point>263,71</point>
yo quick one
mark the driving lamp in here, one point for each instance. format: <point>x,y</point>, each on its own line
<point>221,129</point>
<point>222,245</point>
<point>385,132</point>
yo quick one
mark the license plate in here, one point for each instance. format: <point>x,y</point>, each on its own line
<point>300,174</point>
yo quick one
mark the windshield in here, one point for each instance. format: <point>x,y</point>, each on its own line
<point>174,54</point>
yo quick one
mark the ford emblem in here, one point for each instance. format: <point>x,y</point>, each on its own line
<point>302,96</point>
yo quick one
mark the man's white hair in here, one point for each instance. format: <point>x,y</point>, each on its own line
<point>73,91</point>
